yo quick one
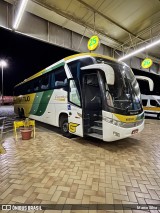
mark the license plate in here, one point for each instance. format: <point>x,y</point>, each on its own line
<point>134,131</point>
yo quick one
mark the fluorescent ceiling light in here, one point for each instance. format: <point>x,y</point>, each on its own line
<point>139,50</point>
<point>20,13</point>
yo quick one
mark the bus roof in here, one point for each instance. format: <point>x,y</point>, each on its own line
<point>62,62</point>
<point>88,54</point>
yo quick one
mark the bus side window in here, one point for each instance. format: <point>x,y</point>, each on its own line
<point>45,82</point>
<point>57,77</point>
<point>154,103</point>
<point>73,68</point>
<point>23,89</point>
<point>77,64</point>
<point>60,76</point>
<point>52,80</point>
<point>36,85</point>
<point>29,88</point>
<point>144,102</point>
<point>74,94</point>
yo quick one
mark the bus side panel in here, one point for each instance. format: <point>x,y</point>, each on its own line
<point>57,104</point>
<point>60,102</point>
<point>24,102</point>
<point>40,107</point>
<point>36,103</point>
<point>51,106</point>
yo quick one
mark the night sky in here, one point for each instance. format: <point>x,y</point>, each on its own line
<point>25,56</point>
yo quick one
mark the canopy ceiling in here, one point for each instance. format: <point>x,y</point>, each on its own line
<point>122,24</point>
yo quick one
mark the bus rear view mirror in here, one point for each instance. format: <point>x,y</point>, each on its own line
<point>108,70</point>
<point>110,76</point>
<point>149,80</point>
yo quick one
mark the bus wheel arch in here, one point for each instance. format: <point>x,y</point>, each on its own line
<point>63,124</point>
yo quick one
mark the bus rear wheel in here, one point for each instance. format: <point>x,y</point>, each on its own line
<point>64,127</point>
<point>21,113</point>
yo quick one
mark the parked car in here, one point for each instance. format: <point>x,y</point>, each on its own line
<point>151,105</point>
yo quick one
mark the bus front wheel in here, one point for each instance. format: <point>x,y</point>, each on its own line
<point>64,127</point>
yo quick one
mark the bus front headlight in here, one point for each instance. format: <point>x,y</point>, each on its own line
<point>112,121</point>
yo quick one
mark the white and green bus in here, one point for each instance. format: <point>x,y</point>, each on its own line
<point>86,95</point>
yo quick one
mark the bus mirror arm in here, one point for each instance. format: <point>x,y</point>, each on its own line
<point>65,87</point>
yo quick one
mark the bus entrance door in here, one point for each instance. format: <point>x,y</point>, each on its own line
<point>74,109</point>
<point>92,105</point>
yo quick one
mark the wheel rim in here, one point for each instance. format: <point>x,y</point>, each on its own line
<point>65,127</point>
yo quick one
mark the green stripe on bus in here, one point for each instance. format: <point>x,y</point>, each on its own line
<point>36,103</point>
<point>53,68</point>
<point>44,102</point>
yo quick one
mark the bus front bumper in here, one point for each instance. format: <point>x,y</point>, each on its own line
<point>112,132</point>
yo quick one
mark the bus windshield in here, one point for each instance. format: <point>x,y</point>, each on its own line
<point>124,94</point>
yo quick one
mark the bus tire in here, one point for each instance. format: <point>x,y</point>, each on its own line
<point>158,116</point>
<point>64,127</point>
<point>21,113</point>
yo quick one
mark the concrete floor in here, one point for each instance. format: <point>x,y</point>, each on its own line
<point>51,169</point>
